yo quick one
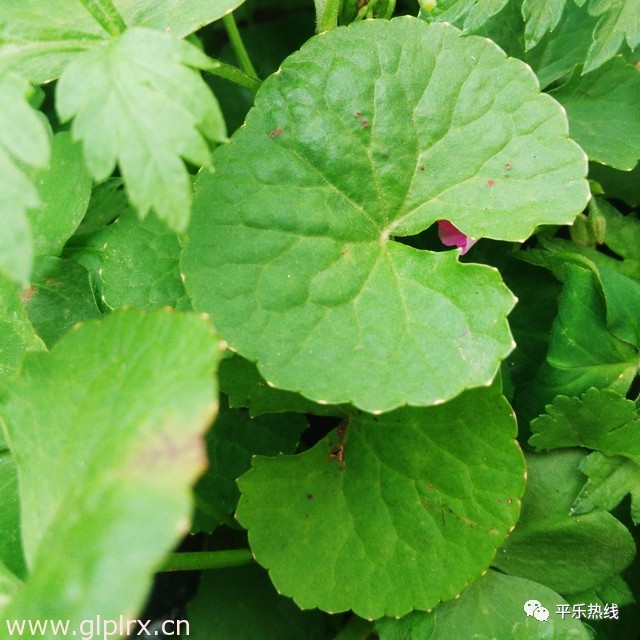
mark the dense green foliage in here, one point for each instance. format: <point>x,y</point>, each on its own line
<point>235,339</point>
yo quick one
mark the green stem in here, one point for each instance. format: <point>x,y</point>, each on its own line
<point>327,13</point>
<point>233,74</point>
<point>201,560</point>
<point>106,15</point>
<point>355,629</point>
<point>238,46</point>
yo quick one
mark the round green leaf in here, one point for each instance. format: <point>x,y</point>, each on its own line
<point>388,513</point>
<point>371,132</point>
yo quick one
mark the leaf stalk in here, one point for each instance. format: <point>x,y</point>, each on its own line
<point>106,15</point>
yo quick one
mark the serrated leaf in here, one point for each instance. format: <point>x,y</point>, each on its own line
<point>619,22</point>
<point>603,108</point>
<point>346,148</point>
<point>60,296</point>
<point>140,264</point>
<point>558,53</point>
<point>470,14</point>
<point>231,444</point>
<point>242,603</point>
<point>240,380</point>
<point>122,95</point>
<point>18,336</point>
<point>489,608</point>
<point>599,419</point>
<point>389,513</point>
<point>115,414</point>
<point>63,201</point>
<point>565,552</point>
<point>610,480</point>
<point>23,141</point>
<point>541,16</point>
<point>39,37</point>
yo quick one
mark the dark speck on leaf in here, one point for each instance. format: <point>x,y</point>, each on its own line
<point>365,124</point>
<point>507,165</point>
<point>490,183</point>
<point>357,114</point>
<point>275,133</point>
<point>422,167</point>
<point>309,496</point>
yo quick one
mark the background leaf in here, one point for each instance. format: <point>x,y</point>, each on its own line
<point>242,603</point>
<point>300,273</point>
<point>23,141</point>
<point>140,264</point>
<point>565,552</point>
<point>231,444</point>
<point>618,23</point>
<point>63,201</point>
<point>492,607</point>
<point>540,16</point>
<point>611,478</point>
<point>139,83</point>
<point>389,513</point>
<point>60,296</point>
<point>40,37</point>
<point>603,108</point>
<point>106,433</point>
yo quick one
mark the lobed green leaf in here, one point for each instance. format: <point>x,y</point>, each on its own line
<point>122,97</point>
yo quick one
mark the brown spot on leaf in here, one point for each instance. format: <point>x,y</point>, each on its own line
<point>364,123</point>
<point>275,133</point>
<point>357,114</point>
<point>491,183</point>
<point>507,166</point>
<point>27,294</point>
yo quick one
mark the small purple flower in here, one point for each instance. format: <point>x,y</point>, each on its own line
<point>451,236</point>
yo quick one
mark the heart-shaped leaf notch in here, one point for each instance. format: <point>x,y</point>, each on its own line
<point>371,132</point>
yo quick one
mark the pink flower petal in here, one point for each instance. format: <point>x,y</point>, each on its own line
<point>451,236</point>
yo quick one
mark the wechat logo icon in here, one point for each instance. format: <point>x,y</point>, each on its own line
<point>535,609</point>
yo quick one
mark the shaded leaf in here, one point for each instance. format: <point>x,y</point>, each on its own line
<point>140,264</point>
<point>603,108</point>
<point>121,95</point>
<point>231,444</point>
<point>60,296</point>
<point>583,353</point>
<point>621,185</point>
<point>565,552</point>
<point>388,513</point>
<point>10,543</point>
<point>610,480</point>
<point>244,385</point>
<point>40,38</point>
<point>242,603</point>
<point>558,52</point>
<point>492,607</point>
<point>23,141</point>
<point>114,414</point>
<point>301,274</point>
